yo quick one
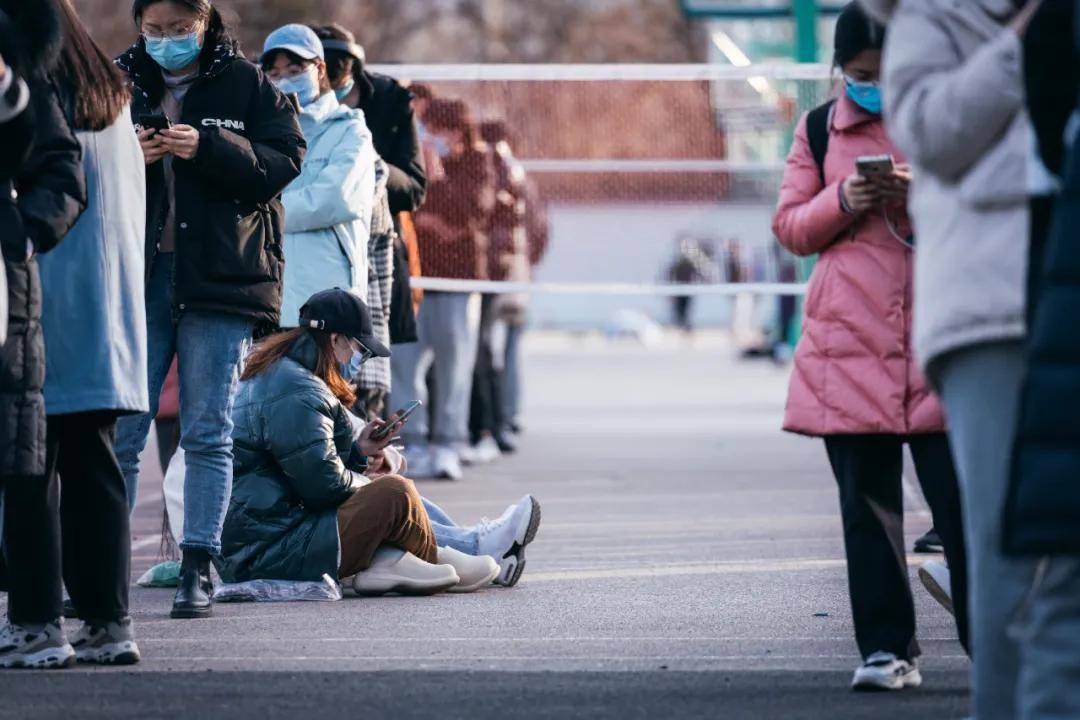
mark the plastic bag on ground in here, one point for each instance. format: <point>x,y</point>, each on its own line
<point>162,575</point>
<point>325,590</point>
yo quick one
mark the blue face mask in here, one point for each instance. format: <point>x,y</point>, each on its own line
<point>866,95</point>
<point>174,54</point>
<point>350,371</point>
<point>343,91</point>
<point>305,86</point>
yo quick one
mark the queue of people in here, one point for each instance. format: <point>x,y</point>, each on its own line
<point>247,222</point>
<point>938,190</point>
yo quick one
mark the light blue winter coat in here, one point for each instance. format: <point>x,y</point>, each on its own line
<point>93,312</point>
<point>328,208</point>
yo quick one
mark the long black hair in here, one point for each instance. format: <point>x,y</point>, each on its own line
<point>217,32</point>
<point>95,90</point>
<point>855,31</point>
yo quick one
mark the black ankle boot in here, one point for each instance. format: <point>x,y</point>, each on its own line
<point>194,597</point>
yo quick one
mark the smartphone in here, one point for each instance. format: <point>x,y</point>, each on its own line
<point>403,415</point>
<point>874,167</point>
<point>154,121</point>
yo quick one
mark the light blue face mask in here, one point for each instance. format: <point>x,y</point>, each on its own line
<point>305,86</point>
<point>866,95</point>
<point>343,91</point>
<point>350,371</point>
<point>174,54</point>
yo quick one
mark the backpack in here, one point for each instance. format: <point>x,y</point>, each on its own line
<point>817,133</point>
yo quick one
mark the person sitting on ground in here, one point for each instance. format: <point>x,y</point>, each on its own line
<point>310,498</point>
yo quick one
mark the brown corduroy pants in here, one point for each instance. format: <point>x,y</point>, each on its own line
<point>386,512</point>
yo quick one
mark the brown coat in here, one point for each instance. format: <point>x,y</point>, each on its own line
<point>453,227</point>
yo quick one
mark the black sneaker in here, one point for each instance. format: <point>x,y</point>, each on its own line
<point>929,543</point>
<point>112,643</point>
<point>47,648</point>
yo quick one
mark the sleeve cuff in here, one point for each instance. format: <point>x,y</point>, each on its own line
<point>843,201</point>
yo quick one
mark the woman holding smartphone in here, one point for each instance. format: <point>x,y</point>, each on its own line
<point>313,496</point>
<point>214,261</point>
<point>855,381</point>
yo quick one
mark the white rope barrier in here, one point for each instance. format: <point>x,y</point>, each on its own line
<point>598,71</point>
<point>588,288</point>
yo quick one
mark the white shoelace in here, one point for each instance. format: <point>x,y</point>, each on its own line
<point>486,527</point>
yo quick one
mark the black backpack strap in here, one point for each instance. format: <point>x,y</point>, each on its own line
<point>817,132</point>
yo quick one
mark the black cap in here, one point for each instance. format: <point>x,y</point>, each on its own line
<point>339,311</point>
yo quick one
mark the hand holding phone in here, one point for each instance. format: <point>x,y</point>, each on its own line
<point>874,167</point>
<point>401,416</point>
<point>154,121</point>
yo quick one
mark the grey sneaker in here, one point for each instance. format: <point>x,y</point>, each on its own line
<point>109,644</point>
<point>47,648</point>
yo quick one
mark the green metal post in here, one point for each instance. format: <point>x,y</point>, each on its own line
<point>806,51</point>
<point>806,45</point>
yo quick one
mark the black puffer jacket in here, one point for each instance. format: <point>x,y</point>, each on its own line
<point>39,204</point>
<point>229,215</point>
<point>1042,514</point>
<point>388,111</point>
<point>290,436</point>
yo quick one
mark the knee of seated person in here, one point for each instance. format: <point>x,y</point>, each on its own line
<point>396,486</point>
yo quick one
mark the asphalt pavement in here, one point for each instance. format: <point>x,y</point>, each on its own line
<point>689,564</point>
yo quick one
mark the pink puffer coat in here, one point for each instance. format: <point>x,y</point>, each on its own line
<point>855,371</point>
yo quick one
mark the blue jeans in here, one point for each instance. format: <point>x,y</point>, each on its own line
<point>210,348</point>
<point>448,533</point>
<point>449,329</point>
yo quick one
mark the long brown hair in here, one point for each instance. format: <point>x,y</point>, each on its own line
<point>95,86</point>
<point>273,348</point>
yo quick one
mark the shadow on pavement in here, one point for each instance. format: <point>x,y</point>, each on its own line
<point>472,695</point>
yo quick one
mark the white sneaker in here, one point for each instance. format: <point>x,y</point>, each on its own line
<point>884,671</point>
<point>505,539</point>
<point>419,464</point>
<point>47,648</point>
<point>397,571</point>
<point>467,454</point>
<point>487,450</point>
<point>475,571</point>
<point>937,581</point>
<point>446,463</point>
<point>109,644</point>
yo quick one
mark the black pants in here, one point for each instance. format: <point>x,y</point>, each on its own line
<point>83,536</point>
<point>868,470</point>
<point>485,409</point>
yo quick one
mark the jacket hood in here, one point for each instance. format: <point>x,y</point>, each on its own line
<point>145,74</point>
<point>318,117</point>
<point>30,35</point>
